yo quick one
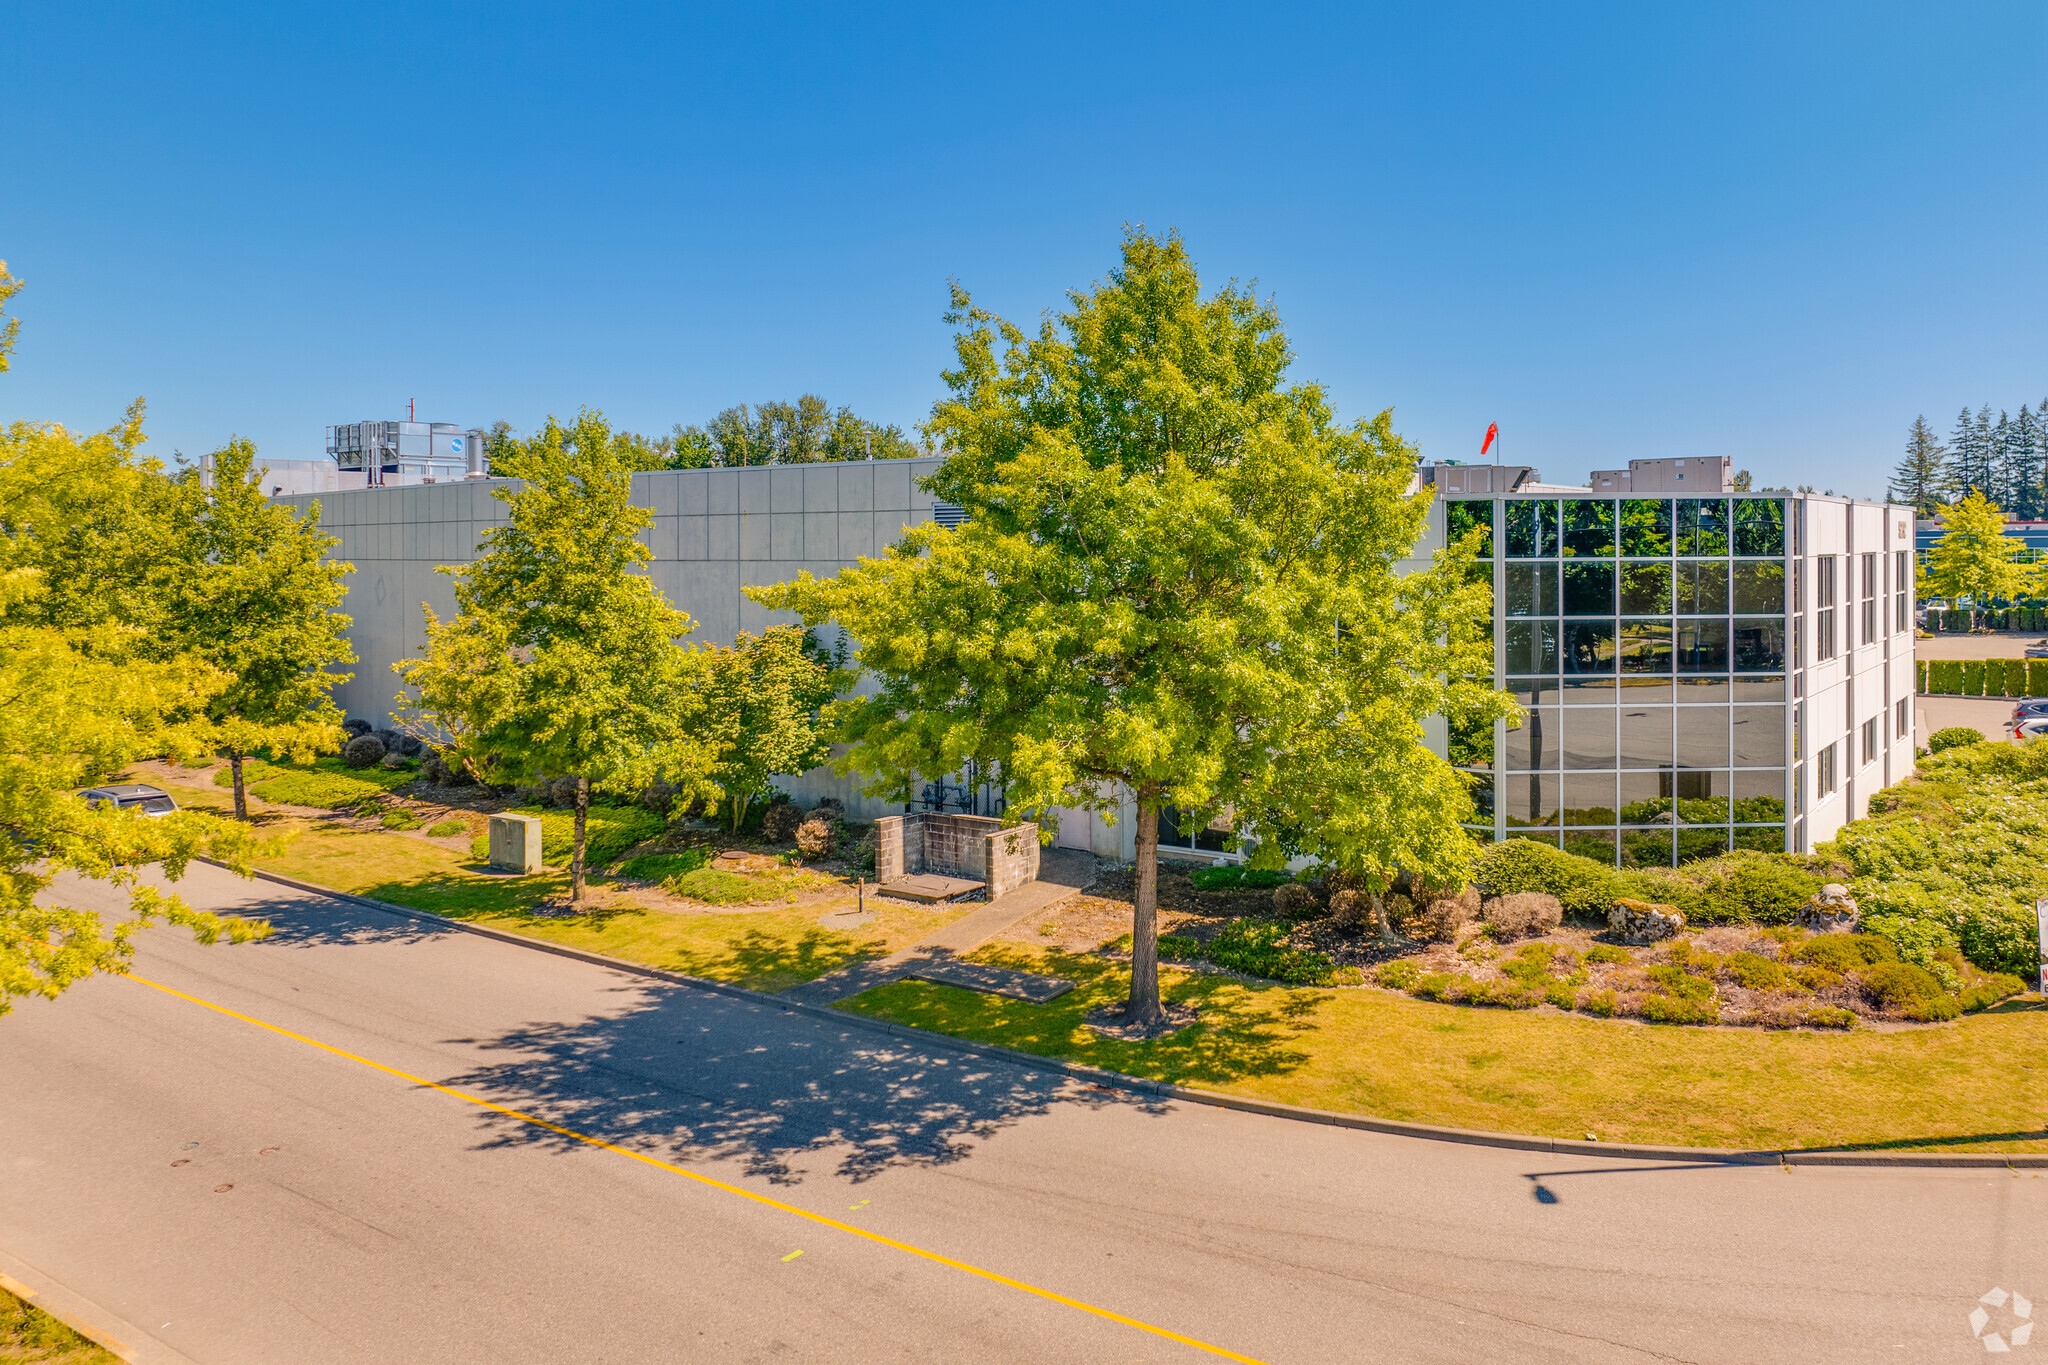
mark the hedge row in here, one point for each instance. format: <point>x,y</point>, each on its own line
<point>1959,619</point>
<point>1984,677</point>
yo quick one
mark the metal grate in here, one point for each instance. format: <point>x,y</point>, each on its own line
<point>949,514</point>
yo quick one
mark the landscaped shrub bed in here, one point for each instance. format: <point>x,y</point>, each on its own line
<point>1771,978</point>
<point>1734,888</point>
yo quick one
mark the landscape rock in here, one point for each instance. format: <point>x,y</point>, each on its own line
<point>1831,910</point>
<point>1522,914</point>
<point>1644,921</point>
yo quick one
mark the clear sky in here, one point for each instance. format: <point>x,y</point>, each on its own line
<point>1770,231</point>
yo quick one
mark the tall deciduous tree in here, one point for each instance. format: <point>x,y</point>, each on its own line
<point>1974,557</point>
<point>253,596</point>
<point>564,659</point>
<point>1922,475</point>
<point>762,700</point>
<point>1176,564</point>
<point>79,701</point>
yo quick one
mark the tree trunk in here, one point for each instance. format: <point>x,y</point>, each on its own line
<point>576,856</point>
<point>1143,1006</point>
<point>1383,919</point>
<point>241,791</point>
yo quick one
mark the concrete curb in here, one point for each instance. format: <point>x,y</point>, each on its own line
<point>1719,1156</point>
<point>124,1339</point>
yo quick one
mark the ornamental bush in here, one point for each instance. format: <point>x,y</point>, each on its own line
<point>1255,948</point>
<point>1955,736</point>
<point>779,822</point>
<point>1909,990</point>
<point>1582,886</point>
<point>364,751</point>
<point>817,836</point>
<point>1845,952</point>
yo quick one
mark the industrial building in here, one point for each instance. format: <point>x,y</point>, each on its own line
<point>1703,669</point>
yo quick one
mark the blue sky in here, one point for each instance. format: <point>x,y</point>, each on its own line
<point>1774,232</point>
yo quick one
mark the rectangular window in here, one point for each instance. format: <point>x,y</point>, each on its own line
<point>1589,529</point>
<point>1873,743</point>
<point>1824,608</point>
<point>1902,584</point>
<point>1870,591</point>
<point>1759,527</point>
<point>1824,772</point>
<point>1532,530</point>
<point>1531,589</point>
<point>1646,526</point>
<point>1462,518</point>
<point>1902,721</point>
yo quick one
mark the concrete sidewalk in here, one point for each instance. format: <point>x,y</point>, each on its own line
<point>1062,872</point>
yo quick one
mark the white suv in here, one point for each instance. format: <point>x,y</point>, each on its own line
<point>136,796</point>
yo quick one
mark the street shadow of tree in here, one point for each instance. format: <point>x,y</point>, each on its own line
<point>1243,1030</point>
<point>692,1076</point>
<point>318,921</point>
<point>773,962</point>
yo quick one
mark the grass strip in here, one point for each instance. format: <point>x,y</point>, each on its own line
<point>27,1333</point>
<point>766,950</point>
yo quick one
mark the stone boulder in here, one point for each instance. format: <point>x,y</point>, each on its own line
<point>1831,910</point>
<point>1522,914</point>
<point>1644,921</point>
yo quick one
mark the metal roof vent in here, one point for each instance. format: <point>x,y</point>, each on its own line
<point>949,514</point>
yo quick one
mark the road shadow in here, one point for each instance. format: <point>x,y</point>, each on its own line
<point>694,1076</point>
<point>305,921</point>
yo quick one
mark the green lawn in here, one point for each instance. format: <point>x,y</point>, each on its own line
<point>1973,1085</point>
<point>767,950</point>
<point>28,1333</point>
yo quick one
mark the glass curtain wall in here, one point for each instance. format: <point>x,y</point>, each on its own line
<point>1645,637</point>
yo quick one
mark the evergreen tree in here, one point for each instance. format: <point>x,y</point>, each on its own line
<point>1970,456</point>
<point>1922,476</point>
<point>1996,450</point>
<point>2021,466</point>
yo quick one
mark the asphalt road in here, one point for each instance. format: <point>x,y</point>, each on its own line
<point>367,1218</point>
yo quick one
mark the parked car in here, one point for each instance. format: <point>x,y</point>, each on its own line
<point>135,796</point>
<point>2028,706</point>
<point>2037,651</point>
<point>2031,728</point>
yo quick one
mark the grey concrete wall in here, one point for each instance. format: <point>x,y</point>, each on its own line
<point>977,847</point>
<point>715,531</point>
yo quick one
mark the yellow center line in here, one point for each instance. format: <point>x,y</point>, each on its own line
<point>716,1183</point>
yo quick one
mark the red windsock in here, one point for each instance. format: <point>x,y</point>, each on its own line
<point>1492,430</point>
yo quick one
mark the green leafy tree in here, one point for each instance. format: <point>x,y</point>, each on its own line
<point>1974,557</point>
<point>255,596</point>
<point>1922,475</point>
<point>803,432</point>
<point>563,659</point>
<point>762,700</point>
<point>2019,465</point>
<point>79,702</point>
<point>1175,563</point>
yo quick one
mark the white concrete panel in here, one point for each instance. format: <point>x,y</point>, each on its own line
<point>786,489</point>
<point>723,491</point>
<point>821,488</point>
<point>723,536</point>
<point>857,487</point>
<point>820,535</point>
<point>693,492</point>
<point>754,490</point>
<point>691,542</point>
<point>754,536</point>
<point>855,536</point>
<point>786,536</point>
<point>892,486</point>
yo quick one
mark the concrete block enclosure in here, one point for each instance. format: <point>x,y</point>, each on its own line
<point>1703,670</point>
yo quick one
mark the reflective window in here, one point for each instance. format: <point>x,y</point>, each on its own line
<point>1529,798</point>
<point>1645,645</point>
<point>1703,586</point>
<point>1759,587</point>
<point>1533,744</point>
<point>1702,645</point>
<point>1646,588</point>
<point>1759,689</point>
<point>1532,529</point>
<point>1645,738</point>
<point>1758,643</point>
<point>1692,688</point>
<point>1589,737</point>
<point>1759,736</point>
<point>1702,739</point>
<point>1646,847</point>
<point>1589,528</point>
<point>1531,589</point>
<point>1589,646</point>
<point>1588,799</point>
<point>1595,844</point>
<point>1589,689</point>
<point>1588,589</point>
<point>1531,646</point>
<point>1463,518</point>
<point>1646,526</point>
<point>1471,743</point>
<point>1761,838</point>
<point>1701,843</point>
<point>1759,526</point>
<point>1533,691</point>
<point>1481,789</point>
<point>1760,797</point>
<point>1702,526</point>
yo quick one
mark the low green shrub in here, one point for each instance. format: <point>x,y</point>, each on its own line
<point>1179,947</point>
<point>1829,1016</point>
<point>1230,877</point>
<point>1581,885</point>
<point>1502,994</point>
<point>1400,974</point>
<point>1845,952</point>
<point>1562,994</point>
<point>1679,984</point>
<point>1755,971</point>
<point>656,867</point>
<point>401,819</point>
<point>1667,1009</point>
<point>1254,947</point>
<point>1989,990</point>
<point>448,829</point>
<point>1607,952</point>
<point>608,832</point>
<point>1912,991</point>
<point>1953,737</point>
<point>1601,1003</point>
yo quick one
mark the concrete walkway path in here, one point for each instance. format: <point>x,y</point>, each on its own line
<point>1062,873</point>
